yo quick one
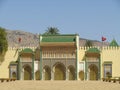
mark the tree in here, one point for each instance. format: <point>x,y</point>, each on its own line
<point>88,43</point>
<point>52,31</point>
<point>3,41</point>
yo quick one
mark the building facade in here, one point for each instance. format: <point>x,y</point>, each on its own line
<point>59,57</point>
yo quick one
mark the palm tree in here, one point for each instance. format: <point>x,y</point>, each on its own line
<point>3,44</point>
<point>88,43</point>
<point>3,41</point>
<point>52,31</point>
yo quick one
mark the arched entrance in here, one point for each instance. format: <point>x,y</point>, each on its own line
<point>47,73</point>
<point>27,72</point>
<point>71,73</point>
<point>37,75</point>
<point>59,73</point>
<point>81,75</point>
<point>93,72</point>
<point>14,75</point>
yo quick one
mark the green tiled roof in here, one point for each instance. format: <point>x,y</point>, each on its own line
<point>26,50</point>
<point>93,50</point>
<point>58,38</point>
<point>13,62</point>
<point>114,43</point>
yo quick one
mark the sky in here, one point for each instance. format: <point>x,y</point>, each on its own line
<point>91,19</point>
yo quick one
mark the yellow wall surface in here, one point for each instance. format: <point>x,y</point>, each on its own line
<point>107,54</point>
<point>81,53</point>
<point>11,55</point>
<point>111,54</point>
<point>4,67</point>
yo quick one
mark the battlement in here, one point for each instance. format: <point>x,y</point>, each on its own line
<point>100,48</point>
<point>80,48</point>
<point>21,48</point>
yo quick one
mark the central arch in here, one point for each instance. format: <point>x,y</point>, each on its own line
<point>27,72</point>
<point>60,70</point>
<point>93,72</point>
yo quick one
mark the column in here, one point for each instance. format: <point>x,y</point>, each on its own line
<point>77,55</point>
<point>41,64</point>
<point>33,67</point>
<point>52,74</point>
<point>99,73</point>
<point>85,68</point>
<point>88,74</point>
<point>67,74</point>
<point>22,74</point>
<point>19,68</point>
<point>43,75</point>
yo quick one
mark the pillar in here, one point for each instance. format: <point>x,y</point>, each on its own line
<point>33,67</point>
<point>43,75</point>
<point>19,69</point>
<point>99,73</point>
<point>52,74</point>
<point>41,64</point>
<point>67,74</point>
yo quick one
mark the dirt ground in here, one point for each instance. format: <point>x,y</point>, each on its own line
<point>59,85</point>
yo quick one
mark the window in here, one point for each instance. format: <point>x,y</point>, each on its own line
<point>107,69</point>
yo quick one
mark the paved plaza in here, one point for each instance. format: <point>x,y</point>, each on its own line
<point>59,85</point>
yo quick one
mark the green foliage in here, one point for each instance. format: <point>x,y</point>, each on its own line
<point>52,31</point>
<point>88,43</point>
<point>3,41</point>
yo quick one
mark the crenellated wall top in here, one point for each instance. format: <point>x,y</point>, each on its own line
<point>100,48</point>
<point>21,48</point>
<point>80,48</point>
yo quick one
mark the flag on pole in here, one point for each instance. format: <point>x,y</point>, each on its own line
<point>103,38</point>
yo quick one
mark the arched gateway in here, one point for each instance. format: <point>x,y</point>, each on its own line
<point>59,73</point>
<point>93,72</point>
<point>47,73</point>
<point>27,72</point>
<point>92,61</point>
<point>71,70</point>
<point>51,60</point>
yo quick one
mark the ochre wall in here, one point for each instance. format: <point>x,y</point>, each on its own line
<point>81,53</point>
<point>107,54</point>
<point>4,67</point>
<point>111,54</point>
<point>11,55</point>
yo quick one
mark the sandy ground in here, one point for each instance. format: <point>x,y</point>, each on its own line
<point>59,85</point>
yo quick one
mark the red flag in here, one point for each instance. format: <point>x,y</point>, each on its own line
<point>103,38</point>
<point>19,40</point>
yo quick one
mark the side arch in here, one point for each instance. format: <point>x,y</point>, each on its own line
<point>14,75</point>
<point>93,72</point>
<point>81,75</point>
<point>27,74</point>
<point>71,71</point>
<point>37,75</point>
<point>47,72</point>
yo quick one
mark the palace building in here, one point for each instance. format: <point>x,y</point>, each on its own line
<point>59,57</point>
